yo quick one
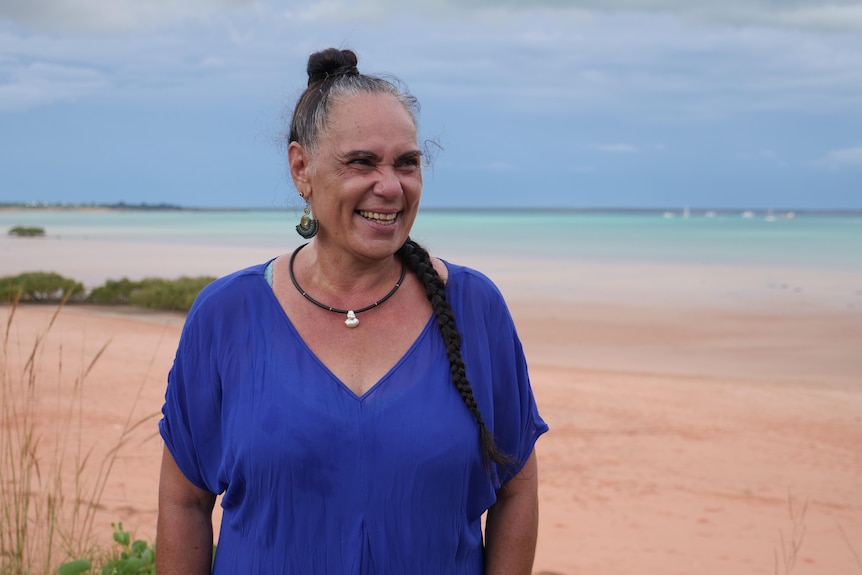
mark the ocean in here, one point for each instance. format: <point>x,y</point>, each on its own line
<point>805,240</point>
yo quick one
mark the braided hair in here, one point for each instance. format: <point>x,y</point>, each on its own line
<point>332,74</point>
<point>419,262</point>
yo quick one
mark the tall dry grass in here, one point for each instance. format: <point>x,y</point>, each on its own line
<point>51,482</point>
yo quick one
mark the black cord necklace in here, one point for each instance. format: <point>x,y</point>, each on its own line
<point>352,320</point>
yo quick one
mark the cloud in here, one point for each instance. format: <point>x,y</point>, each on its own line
<point>108,17</point>
<point>119,16</point>
<point>614,148</point>
<point>547,61</point>
<point>825,16</point>
<point>41,83</point>
<point>843,158</point>
<point>829,15</point>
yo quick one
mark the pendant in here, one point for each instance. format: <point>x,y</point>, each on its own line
<point>351,320</point>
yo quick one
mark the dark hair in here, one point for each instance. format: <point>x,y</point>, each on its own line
<point>332,74</point>
<point>419,262</point>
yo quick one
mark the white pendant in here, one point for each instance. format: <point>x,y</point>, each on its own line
<point>351,320</point>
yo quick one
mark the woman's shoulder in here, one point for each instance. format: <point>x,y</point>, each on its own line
<point>466,282</point>
<point>229,289</point>
<point>464,274</point>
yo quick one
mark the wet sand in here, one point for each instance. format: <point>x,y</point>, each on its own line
<point>694,412</point>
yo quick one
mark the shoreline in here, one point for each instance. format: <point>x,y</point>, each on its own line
<point>698,342</point>
<point>640,282</point>
<point>693,210</point>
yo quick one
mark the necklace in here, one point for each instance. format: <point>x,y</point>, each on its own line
<point>352,320</point>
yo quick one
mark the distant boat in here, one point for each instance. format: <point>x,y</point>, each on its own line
<point>789,215</point>
<point>668,215</point>
<point>709,214</point>
<point>685,212</point>
<point>747,214</point>
<point>769,216</point>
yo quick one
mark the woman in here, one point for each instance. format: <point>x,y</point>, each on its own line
<point>329,393</point>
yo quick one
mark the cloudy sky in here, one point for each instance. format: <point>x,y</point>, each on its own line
<point>548,103</point>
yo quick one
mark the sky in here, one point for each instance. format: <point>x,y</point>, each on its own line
<point>663,104</point>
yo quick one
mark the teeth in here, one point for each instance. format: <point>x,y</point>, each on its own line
<point>376,216</point>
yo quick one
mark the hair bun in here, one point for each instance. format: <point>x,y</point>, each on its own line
<point>330,63</point>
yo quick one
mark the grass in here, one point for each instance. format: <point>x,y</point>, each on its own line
<point>787,553</point>
<point>51,483</point>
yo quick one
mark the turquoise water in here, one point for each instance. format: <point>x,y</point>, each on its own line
<point>806,240</point>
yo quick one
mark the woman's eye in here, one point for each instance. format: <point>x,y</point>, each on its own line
<point>408,164</point>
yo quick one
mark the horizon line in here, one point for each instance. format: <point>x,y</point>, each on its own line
<point>143,206</point>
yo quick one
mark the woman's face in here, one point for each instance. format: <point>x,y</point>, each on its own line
<point>364,181</point>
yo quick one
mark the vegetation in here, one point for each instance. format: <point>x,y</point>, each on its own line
<point>30,232</point>
<point>89,206</point>
<point>151,293</point>
<point>136,558</point>
<point>51,483</point>
<point>41,287</point>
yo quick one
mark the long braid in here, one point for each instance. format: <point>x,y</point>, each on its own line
<point>419,262</point>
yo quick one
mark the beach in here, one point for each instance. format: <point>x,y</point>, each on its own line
<point>705,419</point>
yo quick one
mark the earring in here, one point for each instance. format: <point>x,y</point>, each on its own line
<point>307,226</point>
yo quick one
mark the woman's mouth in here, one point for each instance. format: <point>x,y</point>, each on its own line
<point>377,217</point>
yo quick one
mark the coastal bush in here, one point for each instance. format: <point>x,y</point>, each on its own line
<point>29,232</point>
<point>152,293</point>
<point>43,287</point>
<point>114,292</point>
<point>173,295</point>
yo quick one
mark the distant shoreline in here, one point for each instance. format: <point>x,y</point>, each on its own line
<point>677,210</point>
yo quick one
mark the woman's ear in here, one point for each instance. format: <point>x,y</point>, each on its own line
<point>300,168</point>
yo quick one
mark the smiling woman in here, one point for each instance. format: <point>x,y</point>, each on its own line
<point>343,446</point>
<point>369,145</point>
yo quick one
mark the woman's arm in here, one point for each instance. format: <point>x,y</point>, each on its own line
<point>184,537</point>
<point>512,525</point>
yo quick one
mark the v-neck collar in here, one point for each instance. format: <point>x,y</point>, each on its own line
<point>359,397</point>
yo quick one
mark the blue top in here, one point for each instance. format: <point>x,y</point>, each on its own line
<point>319,480</point>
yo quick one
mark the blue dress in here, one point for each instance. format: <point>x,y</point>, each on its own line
<point>319,480</point>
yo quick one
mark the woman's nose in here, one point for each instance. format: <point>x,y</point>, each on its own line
<point>389,183</point>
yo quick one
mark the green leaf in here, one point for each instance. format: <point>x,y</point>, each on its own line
<point>130,566</point>
<point>74,567</point>
<point>122,537</point>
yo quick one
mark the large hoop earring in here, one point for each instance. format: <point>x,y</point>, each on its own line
<point>307,226</point>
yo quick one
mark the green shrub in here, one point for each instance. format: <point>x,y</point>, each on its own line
<point>152,293</point>
<point>39,287</point>
<point>133,558</point>
<point>114,292</point>
<point>23,231</point>
<point>173,295</point>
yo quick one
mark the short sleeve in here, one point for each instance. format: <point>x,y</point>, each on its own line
<point>516,422</point>
<point>496,367</point>
<point>190,424</point>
